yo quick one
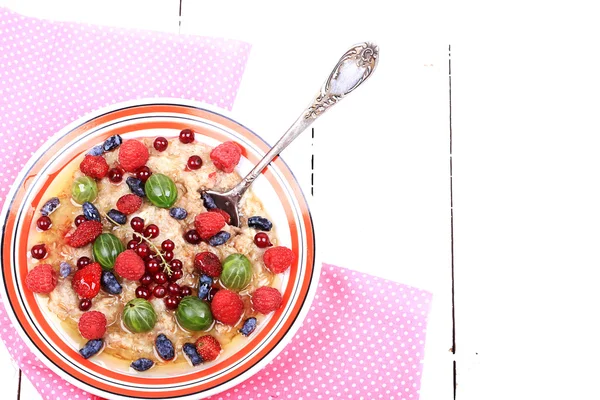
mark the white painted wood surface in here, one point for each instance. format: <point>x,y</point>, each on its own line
<point>393,132</point>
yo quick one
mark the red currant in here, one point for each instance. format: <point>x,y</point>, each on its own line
<point>142,250</point>
<point>175,275</point>
<point>146,279</point>
<point>152,266</point>
<point>176,265</point>
<point>261,239</point>
<point>142,292</point>
<point>160,143</point>
<point>186,291</point>
<point>160,277</point>
<point>143,173</point>
<point>168,255</point>
<point>39,251</point>
<point>115,175</point>
<point>186,136</point>
<point>171,302</point>
<point>194,162</point>
<point>167,245</point>
<point>44,223</point>
<point>173,289</point>
<point>159,291</point>
<point>151,231</point>
<point>137,224</point>
<point>132,244</point>
<point>85,304</point>
<point>83,261</point>
<point>79,220</point>
<point>192,237</point>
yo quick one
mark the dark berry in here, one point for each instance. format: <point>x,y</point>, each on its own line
<point>260,223</point>
<point>206,279</point>
<point>85,304</point>
<point>151,231</point>
<point>38,251</point>
<point>96,151</point>
<point>160,277</point>
<point>112,143</point>
<point>50,206</point>
<point>203,291</point>
<point>117,216</point>
<point>168,255</point>
<point>65,269</point>
<point>178,213</point>
<point>171,302</point>
<point>83,261</point>
<point>262,241</point>
<point>146,279</point>
<point>115,175</point>
<point>91,348</point>
<point>142,250</point>
<point>109,283</point>
<point>219,239</point>
<point>143,173</point>
<point>159,291</point>
<point>90,212</point>
<point>186,136</point>
<point>153,266</point>
<point>248,327</point>
<point>142,292</point>
<point>212,293</point>
<point>173,289</point>
<point>167,245</point>
<point>132,244</point>
<point>44,223</point>
<point>192,237</point>
<point>189,349</point>
<point>142,364</point>
<point>194,162</point>
<point>136,186</point>
<point>208,201</point>
<point>79,220</point>
<point>175,275</point>
<point>137,224</point>
<point>164,347</point>
<point>176,265</point>
<point>160,143</point>
<point>186,291</point>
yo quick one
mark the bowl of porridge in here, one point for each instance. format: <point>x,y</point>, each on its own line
<point>124,277</point>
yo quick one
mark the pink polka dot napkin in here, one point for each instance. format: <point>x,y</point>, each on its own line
<point>364,336</point>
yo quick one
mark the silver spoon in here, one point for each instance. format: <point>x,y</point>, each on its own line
<point>355,66</point>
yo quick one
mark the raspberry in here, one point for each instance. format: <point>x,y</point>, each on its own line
<point>86,281</point>
<point>92,325</point>
<point>94,166</point>
<point>278,259</point>
<point>208,224</point>
<point>208,347</point>
<point>85,233</point>
<point>41,279</point>
<point>224,214</point>
<point>129,265</point>
<point>226,156</point>
<point>208,264</point>
<point>129,204</point>
<point>133,155</point>
<point>266,299</point>
<point>227,307</point>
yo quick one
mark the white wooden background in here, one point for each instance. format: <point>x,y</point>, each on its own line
<point>525,87</point>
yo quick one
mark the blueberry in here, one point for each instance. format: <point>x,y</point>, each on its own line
<point>92,347</point>
<point>249,326</point>
<point>219,239</point>
<point>117,216</point>
<point>178,213</point>
<point>206,279</point>
<point>136,186</point>
<point>50,206</point>
<point>192,354</point>
<point>203,290</point>
<point>164,347</point>
<point>109,283</point>
<point>260,223</point>
<point>208,201</point>
<point>142,364</point>
<point>90,212</point>
<point>112,143</point>
<point>65,269</point>
<point>96,151</point>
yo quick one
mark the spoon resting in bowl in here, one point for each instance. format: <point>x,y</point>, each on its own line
<point>354,67</point>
